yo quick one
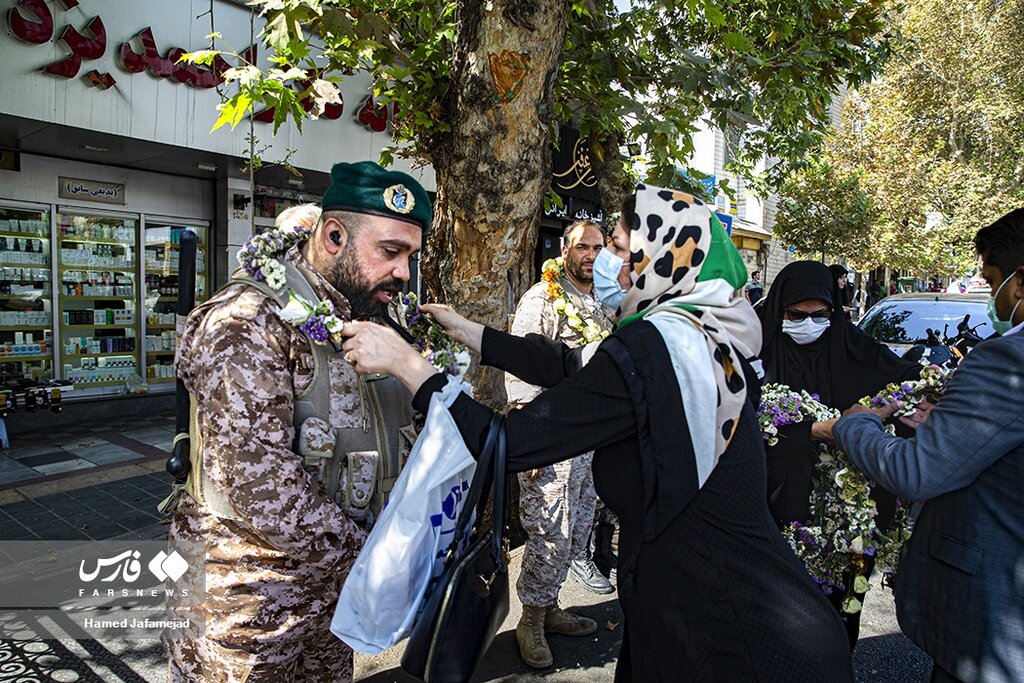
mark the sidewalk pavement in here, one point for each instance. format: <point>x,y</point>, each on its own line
<point>118,501</point>
<point>38,454</point>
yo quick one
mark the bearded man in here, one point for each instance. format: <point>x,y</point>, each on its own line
<point>557,502</point>
<point>289,443</point>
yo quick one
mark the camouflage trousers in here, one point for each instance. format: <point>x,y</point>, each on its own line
<point>557,511</point>
<point>320,658</point>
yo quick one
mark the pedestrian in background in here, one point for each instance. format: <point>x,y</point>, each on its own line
<point>810,346</point>
<point>754,289</point>
<point>557,502</point>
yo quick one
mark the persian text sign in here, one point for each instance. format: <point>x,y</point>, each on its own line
<point>90,190</point>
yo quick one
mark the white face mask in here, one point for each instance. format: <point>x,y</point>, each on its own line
<point>606,279</point>
<point>805,331</point>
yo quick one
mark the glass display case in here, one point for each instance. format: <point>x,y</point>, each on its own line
<point>26,297</point>
<point>97,270</point>
<point>160,252</point>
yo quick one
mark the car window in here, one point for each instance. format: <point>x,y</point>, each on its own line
<point>906,321</point>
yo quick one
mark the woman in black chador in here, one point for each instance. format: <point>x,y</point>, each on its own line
<point>709,588</point>
<point>809,345</point>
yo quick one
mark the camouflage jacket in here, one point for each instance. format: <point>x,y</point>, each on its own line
<point>536,314</point>
<point>277,573</point>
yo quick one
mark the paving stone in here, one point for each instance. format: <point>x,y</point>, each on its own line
<point>136,520</point>
<point>22,452</point>
<point>25,506</point>
<point>99,532</point>
<point>111,455</point>
<point>67,466</point>
<point>9,475</point>
<point>61,532</point>
<point>19,533</point>
<point>47,458</point>
<point>54,501</point>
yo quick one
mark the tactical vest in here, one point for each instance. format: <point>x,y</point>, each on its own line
<point>358,465</point>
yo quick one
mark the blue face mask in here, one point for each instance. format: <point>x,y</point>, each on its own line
<point>606,279</point>
<point>999,325</point>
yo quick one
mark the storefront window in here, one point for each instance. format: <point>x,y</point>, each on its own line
<point>161,254</point>
<point>26,303</point>
<point>97,271</point>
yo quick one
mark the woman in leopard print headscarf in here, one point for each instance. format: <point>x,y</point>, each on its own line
<point>709,588</point>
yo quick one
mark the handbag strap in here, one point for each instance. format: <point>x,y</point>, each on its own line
<point>501,496</point>
<point>481,478</point>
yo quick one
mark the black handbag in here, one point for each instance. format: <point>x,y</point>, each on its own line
<point>469,600</point>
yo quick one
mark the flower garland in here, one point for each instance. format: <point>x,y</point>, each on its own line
<point>260,258</point>
<point>834,545</point>
<point>551,272</point>
<point>928,388</point>
<point>433,341</point>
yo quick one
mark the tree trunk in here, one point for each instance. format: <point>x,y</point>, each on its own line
<point>494,168</point>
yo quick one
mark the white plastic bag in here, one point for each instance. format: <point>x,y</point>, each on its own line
<point>384,590</point>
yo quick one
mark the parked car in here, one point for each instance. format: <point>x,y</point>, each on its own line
<point>901,320</point>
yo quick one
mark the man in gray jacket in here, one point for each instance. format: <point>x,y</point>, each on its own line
<point>960,589</point>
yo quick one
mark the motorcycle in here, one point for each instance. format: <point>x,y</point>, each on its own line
<point>942,350</point>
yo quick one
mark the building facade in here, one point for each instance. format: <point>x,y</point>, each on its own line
<point>107,156</point>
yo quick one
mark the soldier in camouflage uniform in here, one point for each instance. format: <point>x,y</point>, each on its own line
<point>274,570</point>
<point>557,502</point>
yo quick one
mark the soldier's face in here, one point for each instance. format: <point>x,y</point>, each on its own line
<point>581,250</point>
<point>374,263</point>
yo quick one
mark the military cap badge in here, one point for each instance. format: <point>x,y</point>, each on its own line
<point>399,199</point>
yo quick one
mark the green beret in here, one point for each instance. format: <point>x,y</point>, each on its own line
<point>366,187</point>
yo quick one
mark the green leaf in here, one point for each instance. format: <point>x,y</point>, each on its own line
<point>202,57</point>
<point>736,41</point>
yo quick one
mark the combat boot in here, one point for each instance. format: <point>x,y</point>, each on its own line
<point>557,620</point>
<point>585,571</point>
<point>533,646</point>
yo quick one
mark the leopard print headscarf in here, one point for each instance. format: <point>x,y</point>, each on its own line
<point>684,263</point>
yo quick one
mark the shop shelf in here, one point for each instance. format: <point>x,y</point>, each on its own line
<point>108,269</point>
<point>12,264</point>
<point>100,384</point>
<point>159,326</point>
<point>127,326</point>
<point>163,243</point>
<point>162,271</point>
<point>19,328</point>
<point>8,359</point>
<point>160,353</point>
<point>28,295</point>
<point>98,298</point>
<point>161,380</point>
<point>95,240</point>
<point>23,235</point>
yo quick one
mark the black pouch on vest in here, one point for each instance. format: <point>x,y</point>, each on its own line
<point>468,602</point>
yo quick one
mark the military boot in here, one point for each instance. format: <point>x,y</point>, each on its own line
<point>533,646</point>
<point>557,620</point>
<point>586,572</point>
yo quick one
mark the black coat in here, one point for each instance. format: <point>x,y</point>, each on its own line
<point>711,592</point>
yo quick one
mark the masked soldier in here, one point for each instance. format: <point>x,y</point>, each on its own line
<point>292,451</point>
<point>557,502</point>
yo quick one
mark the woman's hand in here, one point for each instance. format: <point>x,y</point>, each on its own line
<point>373,348</point>
<point>461,329</point>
